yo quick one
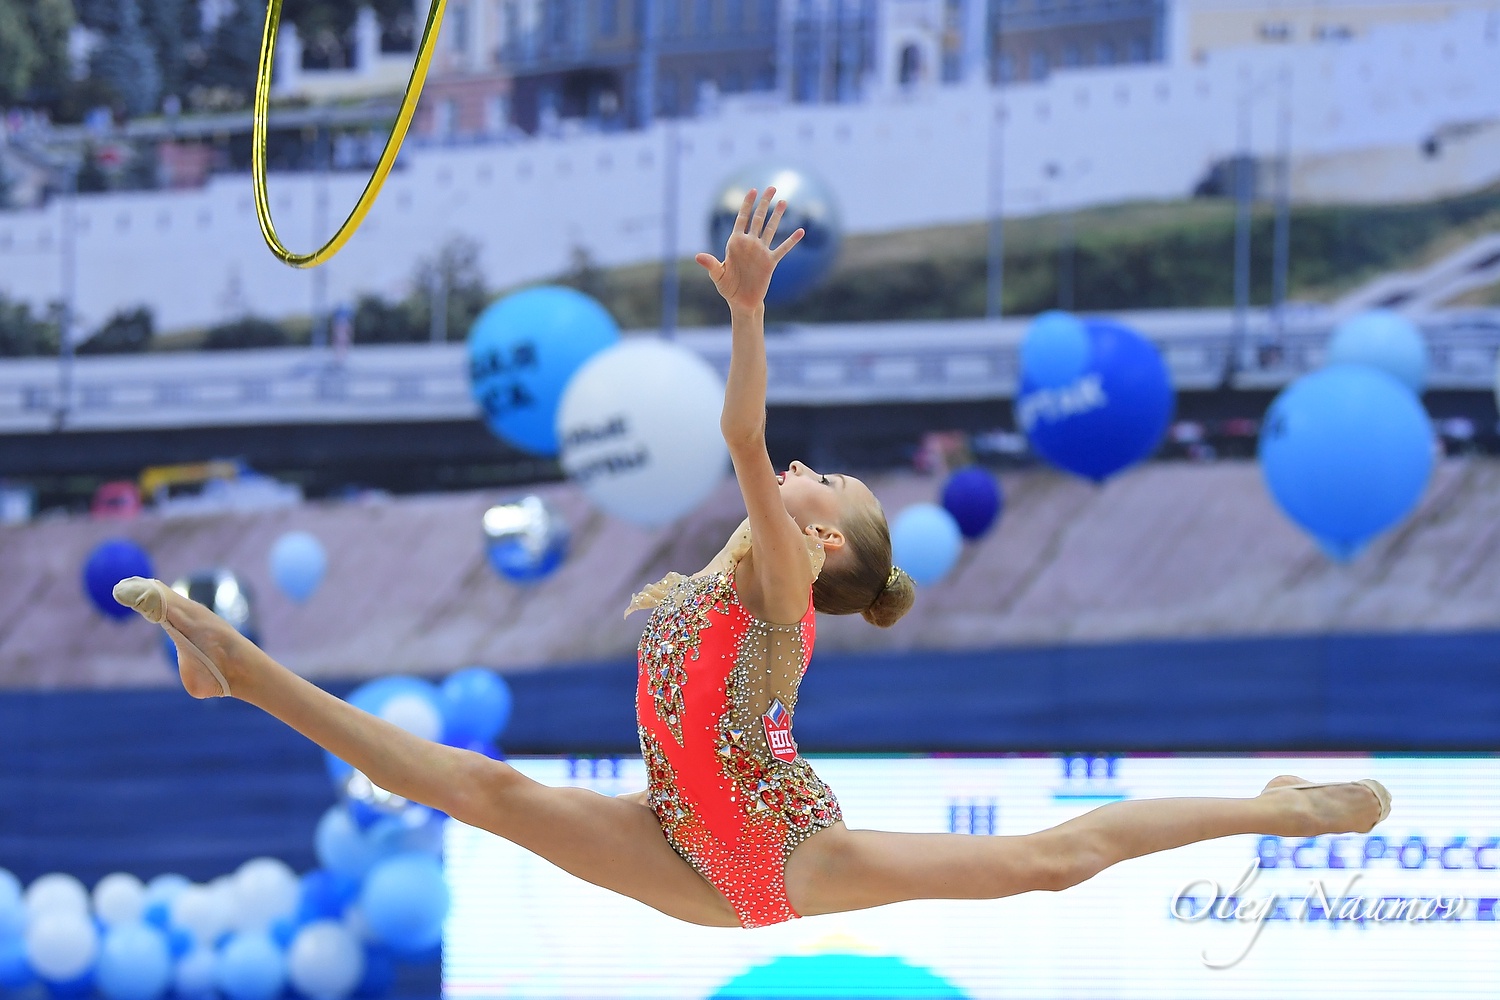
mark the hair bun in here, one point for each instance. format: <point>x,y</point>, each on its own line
<point>893,601</point>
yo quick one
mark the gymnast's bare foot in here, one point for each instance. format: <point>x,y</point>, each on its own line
<point>1336,807</point>
<point>208,647</point>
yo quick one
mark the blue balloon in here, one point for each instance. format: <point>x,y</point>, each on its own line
<point>15,971</point>
<point>1055,350</point>
<point>973,497</point>
<point>1111,416</point>
<point>298,563</point>
<point>810,207</point>
<point>341,845</point>
<point>179,942</point>
<point>523,349</point>
<point>111,561</point>
<point>513,560</point>
<point>1346,452</point>
<point>405,900</point>
<point>476,706</point>
<point>12,906</point>
<point>72,989</point>
<point>925,542</point>
<point>251,967</point>
<point>380,973</point>
<point>372,697</point>
<point>1382,339</point>
<point>325,894</point>
<point>135,963</point>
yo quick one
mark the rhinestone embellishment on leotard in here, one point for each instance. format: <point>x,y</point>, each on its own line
<point>790,790</point>
<point>671,634</point>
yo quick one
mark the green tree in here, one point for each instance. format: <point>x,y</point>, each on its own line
<point>52,23</point>
<point>233,50</point>
<point>126,332</point>
<point>244,333</point>
<point>19,55</point>
<point>23,334</point>
<point>173,27</point>
<point>126,62</point>
<point>33,47</point>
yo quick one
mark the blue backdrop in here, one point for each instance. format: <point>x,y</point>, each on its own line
<point>150,781</point>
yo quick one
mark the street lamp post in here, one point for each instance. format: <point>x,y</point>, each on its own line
<point>68,259</point>
<point>670,196</point>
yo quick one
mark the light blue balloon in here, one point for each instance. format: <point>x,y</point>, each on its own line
<point>1383,339</point>
<point>372,697</point>
<point>196,977</point>
<point>405,900</point>
<point>135,963</point>
<point>341,846</point>
<point>1346,452</point>
<point>164,888</point>
<point>925,542</point>
<point>15,970</point>
<point>523,349</point>
<point>1055,350</point>
<point>298,564</point>
<point>251,967</point>
<point>476,706</point>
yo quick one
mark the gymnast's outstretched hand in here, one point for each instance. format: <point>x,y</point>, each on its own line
<point>744,274</point>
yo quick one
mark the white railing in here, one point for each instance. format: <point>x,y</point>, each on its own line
<point>833,364</point>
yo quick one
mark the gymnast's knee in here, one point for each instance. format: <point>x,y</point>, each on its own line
<point>1063,859</point>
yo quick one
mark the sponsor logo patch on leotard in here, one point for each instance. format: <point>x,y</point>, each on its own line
<point>779,732</point>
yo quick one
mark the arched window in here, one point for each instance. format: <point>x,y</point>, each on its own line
<point>911,65</point>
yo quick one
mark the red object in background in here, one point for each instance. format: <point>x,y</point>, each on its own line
<point>118,499</point>
<point>1240,427</point>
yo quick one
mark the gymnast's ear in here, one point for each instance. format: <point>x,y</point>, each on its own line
<point>830,537</point>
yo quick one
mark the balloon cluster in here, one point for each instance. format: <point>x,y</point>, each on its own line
<point>1347,450</point>
<point>378,896</point>
<point>250,935</point>
<point>633,422</point>
<point>470,709</point>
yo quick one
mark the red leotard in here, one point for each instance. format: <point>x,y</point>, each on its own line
<point>711,678</point>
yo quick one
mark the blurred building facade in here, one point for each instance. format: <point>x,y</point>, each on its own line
<point>537,65</point>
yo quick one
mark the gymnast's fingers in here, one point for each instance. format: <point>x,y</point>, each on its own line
<point>775,221</point>
<point>788,243</point>
<point>742,220</point>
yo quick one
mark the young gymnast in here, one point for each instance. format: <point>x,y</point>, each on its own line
<point>735,828</point>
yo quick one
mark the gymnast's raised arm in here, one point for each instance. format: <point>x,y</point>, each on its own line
<point>778,559</point>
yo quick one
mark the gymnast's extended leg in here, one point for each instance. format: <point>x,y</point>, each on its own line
<point>612,842</point>
<point>840,869</point>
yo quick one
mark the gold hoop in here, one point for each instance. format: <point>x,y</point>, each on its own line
<point>387,160</point>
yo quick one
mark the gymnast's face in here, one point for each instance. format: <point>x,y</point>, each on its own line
<point>823,502</point>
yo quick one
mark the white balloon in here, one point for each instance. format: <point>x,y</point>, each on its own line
<point>356,924</point>
<point>266,890</point>
<point>164,888</point>
<point>325,961</point>
<point>195,978</point>
<point>56,892</point>
<point>119,898</point>
<point>414,714</point>
<point>62,943</point>
<point>639,426</point>
<point>202,911</point>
